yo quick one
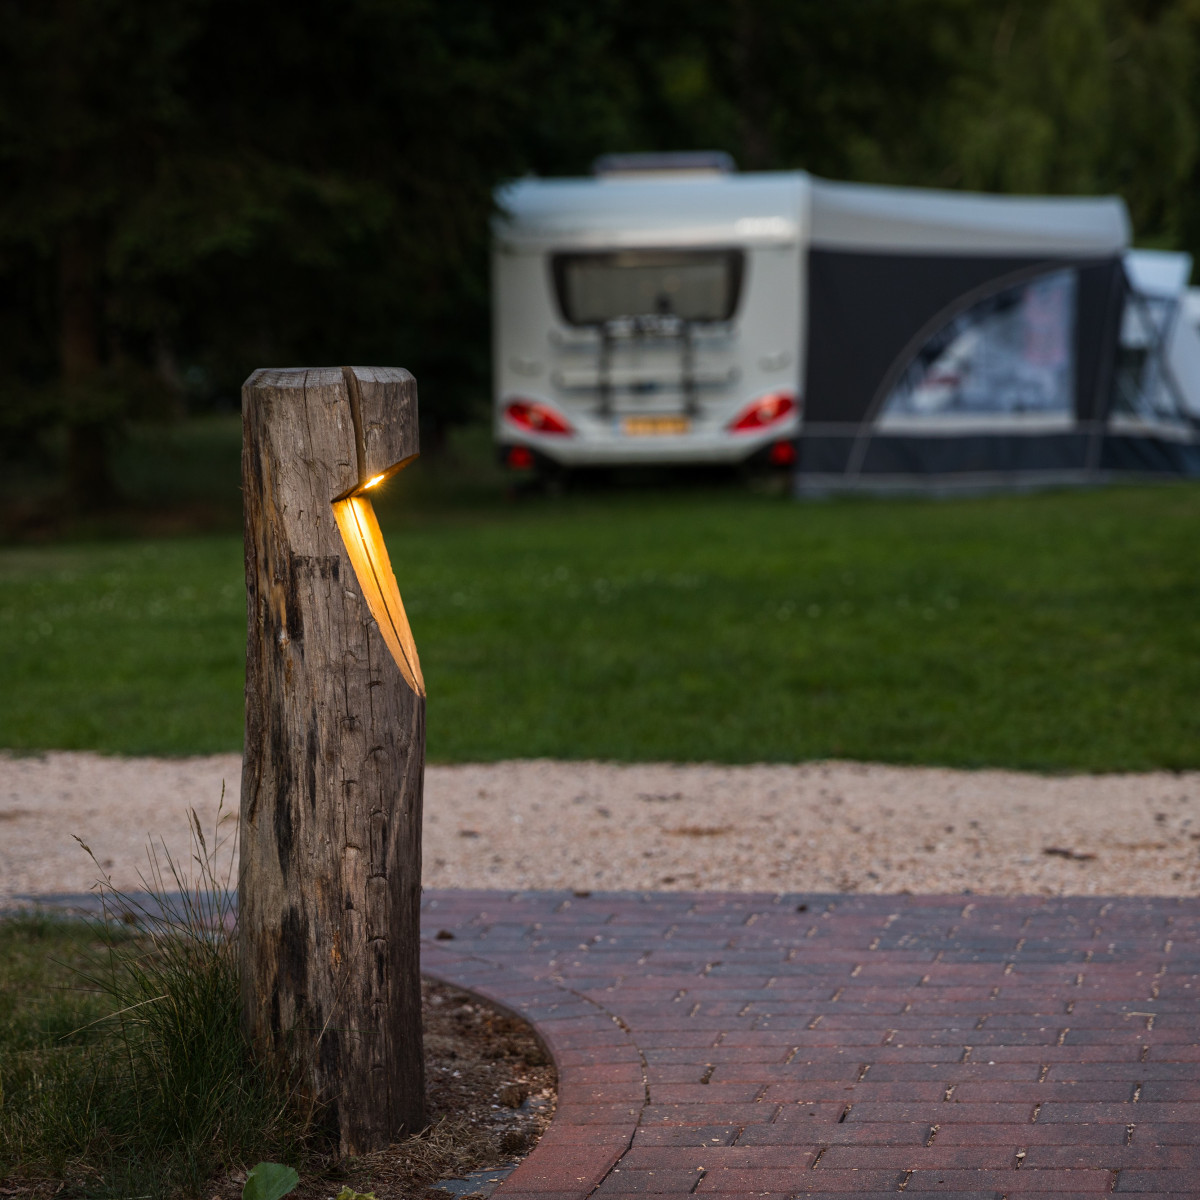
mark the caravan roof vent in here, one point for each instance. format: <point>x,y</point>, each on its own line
<point>674,163</point>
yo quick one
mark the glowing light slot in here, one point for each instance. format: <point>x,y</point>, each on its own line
<point>364,543</point>
<point>376,480</point>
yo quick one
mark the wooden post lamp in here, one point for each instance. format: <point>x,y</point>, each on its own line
<point>330,874</point>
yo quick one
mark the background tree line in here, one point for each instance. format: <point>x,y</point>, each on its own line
<point>193,188</point>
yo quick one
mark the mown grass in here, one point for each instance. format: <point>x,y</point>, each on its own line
<point>1051,631</point>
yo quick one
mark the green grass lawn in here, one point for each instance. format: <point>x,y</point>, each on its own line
<point>1053,631</point>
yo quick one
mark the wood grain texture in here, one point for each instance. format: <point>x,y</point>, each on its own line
<point>330,875</point>
<point>388,414</point>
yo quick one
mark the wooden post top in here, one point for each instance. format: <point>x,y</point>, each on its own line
<point>375,432</point>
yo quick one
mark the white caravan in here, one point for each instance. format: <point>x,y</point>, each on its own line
<point>670,310</point>
<point>649,315</point>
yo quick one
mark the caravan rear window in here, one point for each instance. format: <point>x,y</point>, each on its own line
<point>693,285</point>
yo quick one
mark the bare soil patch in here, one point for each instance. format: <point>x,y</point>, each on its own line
<point>491,1091</point>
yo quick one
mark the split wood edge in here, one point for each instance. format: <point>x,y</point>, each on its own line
<point>363,539</point>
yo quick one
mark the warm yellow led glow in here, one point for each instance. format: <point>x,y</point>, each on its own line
<point>368,555</point>
<point>373,482</point>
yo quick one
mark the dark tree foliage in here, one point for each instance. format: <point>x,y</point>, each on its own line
<point>89,101</point>
<point>193,188</point>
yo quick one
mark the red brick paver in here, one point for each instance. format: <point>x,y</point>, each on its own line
<point>740,1045</point>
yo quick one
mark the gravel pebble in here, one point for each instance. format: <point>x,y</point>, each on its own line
<point>824,826</point>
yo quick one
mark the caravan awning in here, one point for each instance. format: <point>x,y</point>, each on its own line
<point>890,271</point>
<point>786,205</point>
<point>871,219</point>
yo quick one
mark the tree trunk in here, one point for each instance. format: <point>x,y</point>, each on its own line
<point>89,472</point>
<point>330,875</point>
<point>754,89</point>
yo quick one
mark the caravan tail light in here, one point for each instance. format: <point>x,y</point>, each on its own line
<point>782,454</point>
<point>766,410</point>
<point>537,417</point>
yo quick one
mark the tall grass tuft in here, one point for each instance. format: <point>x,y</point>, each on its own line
<point>158,1091</point>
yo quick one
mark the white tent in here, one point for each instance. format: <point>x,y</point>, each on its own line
<point>1158,334</point>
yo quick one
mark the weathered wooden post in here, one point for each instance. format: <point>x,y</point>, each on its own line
<point>330,874</point>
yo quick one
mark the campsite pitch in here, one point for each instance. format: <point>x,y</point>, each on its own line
<point>1051,632</point>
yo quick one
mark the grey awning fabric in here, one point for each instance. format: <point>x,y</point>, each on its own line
<point>865,217</point>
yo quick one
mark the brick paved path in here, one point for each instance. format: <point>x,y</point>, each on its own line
<point>762,1045</point>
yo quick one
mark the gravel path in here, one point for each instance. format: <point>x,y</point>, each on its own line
<point>829,826</point>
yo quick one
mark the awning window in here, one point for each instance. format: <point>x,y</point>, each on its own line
<point>1011,353</point>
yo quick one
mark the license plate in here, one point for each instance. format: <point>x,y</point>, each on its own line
<point>654,426</point>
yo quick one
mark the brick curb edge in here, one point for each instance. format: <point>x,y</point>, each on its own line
<point>602,1085</point>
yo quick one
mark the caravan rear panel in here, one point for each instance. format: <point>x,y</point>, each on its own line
<point>649,320</point>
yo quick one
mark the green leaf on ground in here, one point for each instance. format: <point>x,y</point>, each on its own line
<point>270,1181</point>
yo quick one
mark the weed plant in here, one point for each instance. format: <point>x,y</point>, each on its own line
<point>136,1079</point>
